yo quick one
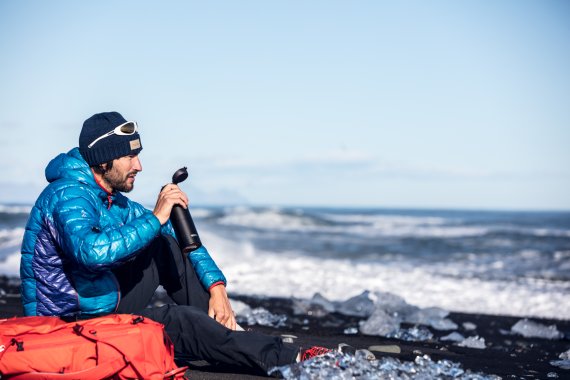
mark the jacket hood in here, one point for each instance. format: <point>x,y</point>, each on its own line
<point>71,166</point>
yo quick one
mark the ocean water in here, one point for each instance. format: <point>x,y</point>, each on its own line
<point>493,262</point>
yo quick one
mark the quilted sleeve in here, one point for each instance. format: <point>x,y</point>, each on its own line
<point>206,269</point>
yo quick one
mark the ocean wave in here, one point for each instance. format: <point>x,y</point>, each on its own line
<point>376,225</point>
<point>10,238</point>
<point>10,242</point>
<point>201,213</point>
<point>269,219</point>
<point>15,209</point>
<point>546,232</point>
<point>254,271</point>
<point>277,219</point>
<point>437,258</point>
<point>385,229</point>
<point>524,264</point>
<point>11,265</point>
<point>380,220</point>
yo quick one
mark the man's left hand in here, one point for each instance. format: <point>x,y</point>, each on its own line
<point>220,308</point>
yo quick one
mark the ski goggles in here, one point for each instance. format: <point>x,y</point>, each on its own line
<point>125,129</point>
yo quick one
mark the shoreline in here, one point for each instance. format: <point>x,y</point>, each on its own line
<point>505,354</point>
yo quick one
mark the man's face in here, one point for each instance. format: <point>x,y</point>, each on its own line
<point>121,177</point>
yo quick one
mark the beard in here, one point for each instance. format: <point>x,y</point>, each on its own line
<point>118,180</point>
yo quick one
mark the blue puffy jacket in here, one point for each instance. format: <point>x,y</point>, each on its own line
<point>77,234</point>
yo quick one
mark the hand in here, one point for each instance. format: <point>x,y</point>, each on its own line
<point>169,196</point>
<point>220,308</point>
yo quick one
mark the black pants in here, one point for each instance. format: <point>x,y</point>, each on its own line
<point>195,335</point>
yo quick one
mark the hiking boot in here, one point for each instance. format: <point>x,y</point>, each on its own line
<point>310,353</point>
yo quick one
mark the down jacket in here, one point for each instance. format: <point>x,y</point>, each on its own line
<point>77,234</point>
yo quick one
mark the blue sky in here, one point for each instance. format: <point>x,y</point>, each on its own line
<point>430,104</point>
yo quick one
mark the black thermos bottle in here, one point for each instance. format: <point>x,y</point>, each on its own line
<point>182,222</point>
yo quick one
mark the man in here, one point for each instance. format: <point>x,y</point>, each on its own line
<point>88,250</point>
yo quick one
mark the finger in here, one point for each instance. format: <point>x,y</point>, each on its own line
<point>180,194</point>
<point>176,198</point>
<point>232,323</point>
<point>227,322</point>
<point>222,318</point>
<point>169,187</point>
<point>182,202</point>
<point>184,199</point>
<point>176,194</point>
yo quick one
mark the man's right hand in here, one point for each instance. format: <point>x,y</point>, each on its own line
<point>169,196</point>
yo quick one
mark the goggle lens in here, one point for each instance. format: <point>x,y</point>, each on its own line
<point>128,128</point>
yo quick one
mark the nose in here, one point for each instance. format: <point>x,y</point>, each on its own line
<point>136,162</point>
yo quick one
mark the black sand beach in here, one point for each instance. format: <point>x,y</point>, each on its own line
<point>506,355</point>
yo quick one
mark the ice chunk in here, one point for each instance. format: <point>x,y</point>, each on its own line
<point>240,308</point>
<point>453,337</point>
<point>431,316</point>
<point>505,332</point>
<point>469,326</point>
<point>398,307</point>
<point>393,304</point>
<point>391,310</point>
<point>358,306</point>
<point>531,329</point>
<point>444,367</point>
<point>420,316</point>
<point>380,323</point>
<point>262,317</point>
<point>564,363</point>
<point>351,331</point>
<point>363,366</point>
<point>473,342</point>
<point>414,334</point>
<point>443,324</point>
<point>318,306</point>
<point>319,299</point>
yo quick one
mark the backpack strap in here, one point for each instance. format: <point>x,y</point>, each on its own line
<point>78,329</point>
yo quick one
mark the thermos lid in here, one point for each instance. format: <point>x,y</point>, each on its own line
<point>180,175</point>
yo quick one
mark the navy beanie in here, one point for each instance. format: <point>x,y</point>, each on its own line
<point>108,148</point>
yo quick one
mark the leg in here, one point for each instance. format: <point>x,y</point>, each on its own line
<point>178,277</point>
<point>197,336</point>
<point>161,263</point>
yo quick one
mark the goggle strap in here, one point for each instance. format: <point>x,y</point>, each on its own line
<point>100,138</point>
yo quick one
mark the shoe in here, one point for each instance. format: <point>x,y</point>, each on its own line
<point>312,352</point>
<point>344,348</point>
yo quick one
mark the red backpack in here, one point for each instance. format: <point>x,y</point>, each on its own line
<point>118,346</point>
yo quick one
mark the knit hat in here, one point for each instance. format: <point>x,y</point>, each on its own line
<point>96,149</point>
